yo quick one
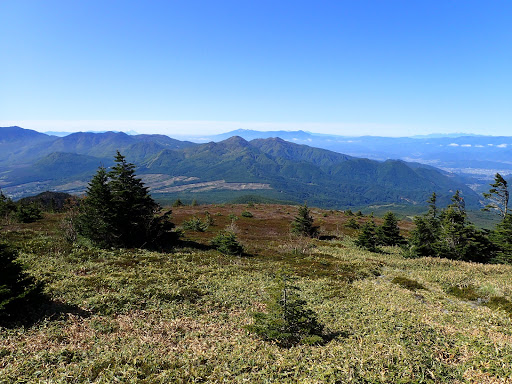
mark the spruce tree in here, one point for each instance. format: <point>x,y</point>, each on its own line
<point>133,206</point>
<point>97,219</point>
<point>367,238</point>
<point>15,285</point>
<point>118,210</point>
<point>287,320</point>
<point>502,239</point>
<point>425,239</point>
<point>449,234</point>
<point>389,232</point>
<point>227,243</point>
<point>303,223</point>
<point>498,196</point>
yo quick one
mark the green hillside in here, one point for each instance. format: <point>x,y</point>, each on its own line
<point>180,316</point>
<point>321,177</point>
<point>272,168</point>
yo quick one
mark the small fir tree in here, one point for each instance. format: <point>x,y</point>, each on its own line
<point>389,232</point>
<point>287,320</point>
<point>227,243</point>
<point>367,238</point>
<point>303,223</point>
<point>177,203</point>
<point>352,223</point>
<point>97,219</point>
<point>425,239</point>
<point>27,213</point>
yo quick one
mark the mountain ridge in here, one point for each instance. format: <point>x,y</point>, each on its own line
<point>293,171</point>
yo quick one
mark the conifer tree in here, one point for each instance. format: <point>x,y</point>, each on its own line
<point>15,285</point>
<point>133,206</point>
<point>389,232</point>
<point>7,206</point>
<point>367,238</point>
<point>227,243</point>
<point>498,196</point>
<point>502,239</point>
<point>118,210</point>
<point>502,234</point>
<point>287,320</point>
<point>96,220</point>
<point>449,234</point>
<point>425,239</point>
<point>303,223</point>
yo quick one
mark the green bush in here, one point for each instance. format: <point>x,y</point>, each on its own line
<point>195,224</point>
<point>28,213</point>
<point>302,225</point>
<point>177,203</point>
<point>247,214</point>
<point>352,223</point>
<point>227,243</point>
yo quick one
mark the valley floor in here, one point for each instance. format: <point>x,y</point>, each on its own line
<point>138,316</point>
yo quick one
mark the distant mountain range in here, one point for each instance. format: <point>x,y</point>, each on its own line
<point>477,155</point>
<point>32,162</point>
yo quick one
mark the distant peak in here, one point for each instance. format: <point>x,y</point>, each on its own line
<point>235,140</point>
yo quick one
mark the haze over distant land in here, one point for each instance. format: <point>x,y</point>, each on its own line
<point>398,68</point>
<point>200,130</point>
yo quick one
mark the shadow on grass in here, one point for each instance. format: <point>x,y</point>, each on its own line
<point>36,309</point>
<point>313,340</point>
<point>193,245</point>
<point>328,237</point>
<point>330,336</point>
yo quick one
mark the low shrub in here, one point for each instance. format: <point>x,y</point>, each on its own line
<point>227,243</point>
<point>287,321</point>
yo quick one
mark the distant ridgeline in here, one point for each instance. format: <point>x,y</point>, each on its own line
<point>272,169</point>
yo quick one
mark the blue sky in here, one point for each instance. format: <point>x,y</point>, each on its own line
<point>181,67</point>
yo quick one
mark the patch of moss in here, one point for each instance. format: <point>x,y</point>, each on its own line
<point>404,282</point>
<point>499,302</point>
<point>465,293</point>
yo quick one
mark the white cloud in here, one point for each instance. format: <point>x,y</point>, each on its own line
<point>453,145</point>
<point>466,145</point>
<point>502,146</point>
<point>479,146</point>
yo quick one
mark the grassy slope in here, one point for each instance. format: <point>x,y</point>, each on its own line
<point>178,317</point>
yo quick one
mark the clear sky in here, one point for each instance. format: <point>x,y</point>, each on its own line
<point>182,67</point>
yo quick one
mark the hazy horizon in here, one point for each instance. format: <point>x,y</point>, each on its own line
<point>206,128</point>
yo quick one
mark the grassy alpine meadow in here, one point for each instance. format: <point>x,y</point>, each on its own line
<point>179,316</point>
